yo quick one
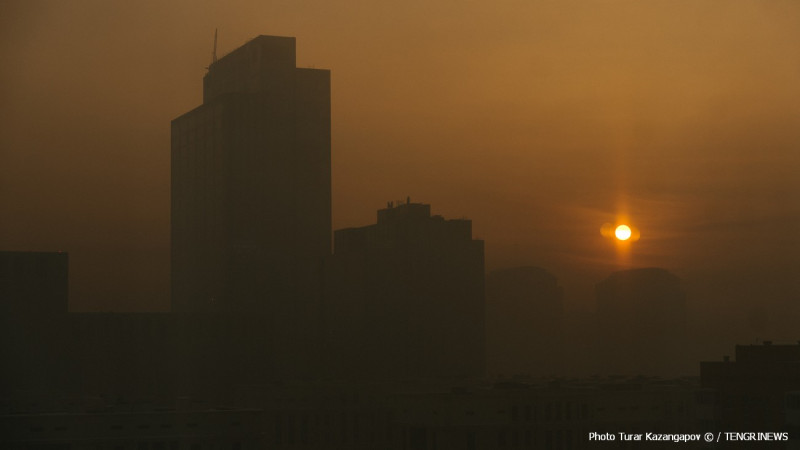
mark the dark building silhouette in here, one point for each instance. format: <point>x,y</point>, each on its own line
<point>34,293</point>
<point>33,282</point>
<point>759,390</point>
<point>641,316</point>
<point>526,413</point>
<point>91,423</point>
<point>251,234</point>
<point>251,185</point>
<point>524,321</point>
<point>405,297</point>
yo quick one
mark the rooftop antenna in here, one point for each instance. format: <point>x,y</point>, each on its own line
<point>214,54</point>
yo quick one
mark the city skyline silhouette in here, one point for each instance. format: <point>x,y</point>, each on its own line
<point>692,142</point>
<point>245,251</point>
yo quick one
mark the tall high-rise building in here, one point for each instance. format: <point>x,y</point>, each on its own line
<point>251,185</point>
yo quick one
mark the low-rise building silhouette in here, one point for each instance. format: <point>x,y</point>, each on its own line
<point>93,423</point>
<point>34,283</point>
<point>757,390</point>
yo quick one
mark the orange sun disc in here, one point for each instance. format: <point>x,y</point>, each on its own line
<point>623,232</point>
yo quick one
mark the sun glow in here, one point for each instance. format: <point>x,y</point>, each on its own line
<point>620,232</point>
<point>623,232</point>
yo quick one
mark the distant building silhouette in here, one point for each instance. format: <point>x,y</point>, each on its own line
<point>758,390</point>
<point>521,414</point>
<point>33,283</point>
<point>641,317</point>
<point>34,293</point>
<point>405,297</point>
<point>90,423</point>
<point>524,321</point>
<point>251,186</point>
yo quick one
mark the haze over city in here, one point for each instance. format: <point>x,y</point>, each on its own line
<point>540,122</point>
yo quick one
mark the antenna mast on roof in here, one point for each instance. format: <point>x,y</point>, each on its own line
<point>214,54</point>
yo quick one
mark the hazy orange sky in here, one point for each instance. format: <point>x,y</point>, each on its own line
<point>539,120</point>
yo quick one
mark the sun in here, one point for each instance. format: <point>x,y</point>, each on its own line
<point>623,232</point>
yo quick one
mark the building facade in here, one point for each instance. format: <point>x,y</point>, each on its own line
<point>404,298</point>
<point>757,390</point>
<point>34,283</point>
<point>251,185</point>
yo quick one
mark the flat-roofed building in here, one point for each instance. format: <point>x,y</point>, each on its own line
<point>405,297</point>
